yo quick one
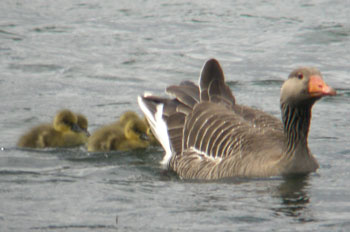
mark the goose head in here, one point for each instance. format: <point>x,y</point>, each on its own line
<point>304,85</point>
<point>66,121</point>
<point>299,92</point>
<point>135,129</point>
<point>128,115</point>
<point>83,124</point>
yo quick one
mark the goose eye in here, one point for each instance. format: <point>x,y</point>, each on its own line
<point>300,76</point>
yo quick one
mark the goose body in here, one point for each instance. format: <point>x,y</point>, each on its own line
<point>128,133</point>
<point>64,132</point>
<point>207,135</point>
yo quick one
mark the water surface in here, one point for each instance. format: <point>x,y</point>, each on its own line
<point>95,57</point>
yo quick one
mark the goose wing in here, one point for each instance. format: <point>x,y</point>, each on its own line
<point>214,89</point>
<point>218,143</point>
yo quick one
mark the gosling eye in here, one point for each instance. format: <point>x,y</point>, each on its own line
<point>143,136</point>
<point>137,131</point>
<point>67,122</point>
<point>76,128</point>
<point>300,76</point>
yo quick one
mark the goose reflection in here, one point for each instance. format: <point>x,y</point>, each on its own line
<point>294,195</point>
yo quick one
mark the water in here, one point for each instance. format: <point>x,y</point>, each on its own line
<point>95,57</point>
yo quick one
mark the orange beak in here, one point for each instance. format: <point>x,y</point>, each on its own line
<point>318,88</point>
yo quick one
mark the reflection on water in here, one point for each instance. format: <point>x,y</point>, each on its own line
<point>294,195</point>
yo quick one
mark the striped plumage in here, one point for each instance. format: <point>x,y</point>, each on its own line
<point>206,135</point>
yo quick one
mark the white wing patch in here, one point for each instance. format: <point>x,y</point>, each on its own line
<point>159,128</point>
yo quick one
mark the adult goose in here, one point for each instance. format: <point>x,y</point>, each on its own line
<point>206,135</point>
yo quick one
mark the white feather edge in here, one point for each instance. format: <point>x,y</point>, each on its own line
<point>200,77</point>
<point>159,128</point>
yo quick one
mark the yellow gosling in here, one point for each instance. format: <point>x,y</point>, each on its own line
<point>115,137</point>
<point>82,122</point>
<point>73,138</point>
<point>135,132</point>
<point>125,117</point>
<point>47,135</point>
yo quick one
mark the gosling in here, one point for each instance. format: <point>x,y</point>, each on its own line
<point>129,133</point>
<point>53,135</point>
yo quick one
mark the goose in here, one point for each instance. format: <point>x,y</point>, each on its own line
<point>207,135</point>
<point>52,135</point>
<point>73,138</point>
<point>126,134</point>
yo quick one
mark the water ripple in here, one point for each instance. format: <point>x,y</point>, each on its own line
<point>9,35</point>
<point>52,29</point>
<point>36,68</point>
<point>75,226</point>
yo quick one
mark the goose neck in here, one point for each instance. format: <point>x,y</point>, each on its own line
<point>296,122</point>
